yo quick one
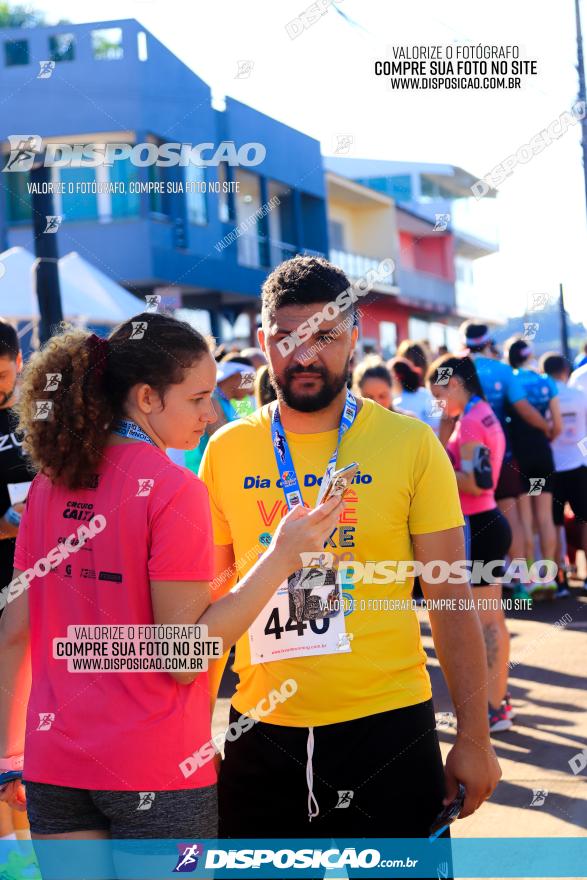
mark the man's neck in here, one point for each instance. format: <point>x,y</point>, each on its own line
<point>327,419</point>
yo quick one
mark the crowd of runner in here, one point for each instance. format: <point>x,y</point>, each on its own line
<point>497,443</point>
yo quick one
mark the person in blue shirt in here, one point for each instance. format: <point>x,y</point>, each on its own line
<point>506,395</point>
<point>532,450</point>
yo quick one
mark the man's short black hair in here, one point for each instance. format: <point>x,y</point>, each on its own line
<point>8,340</point>
<point>554,364</point>
<point>302,281</point>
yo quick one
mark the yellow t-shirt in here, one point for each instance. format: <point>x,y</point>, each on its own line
<point>406,485</point>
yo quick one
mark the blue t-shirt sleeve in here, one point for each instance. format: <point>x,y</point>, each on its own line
<point>515,387</point>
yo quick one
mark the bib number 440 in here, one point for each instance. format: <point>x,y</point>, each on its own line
<point>273,625</point>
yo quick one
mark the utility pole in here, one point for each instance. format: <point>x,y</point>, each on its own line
<point>582,94</point>
<point>46,271</point>
<point>563,325</point>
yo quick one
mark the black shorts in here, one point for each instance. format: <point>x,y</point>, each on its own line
<point>189,813</point>
<point>510,483</point>
<point>537,463</point>
<point>387,765</point>
<point>569,487</point>
<point>488,536</point>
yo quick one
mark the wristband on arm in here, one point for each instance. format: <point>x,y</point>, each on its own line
<point>11,769</point>
<point>12,516</point>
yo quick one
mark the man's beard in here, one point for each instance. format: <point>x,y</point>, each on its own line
<point>331,386</point>
<point>6,396</point>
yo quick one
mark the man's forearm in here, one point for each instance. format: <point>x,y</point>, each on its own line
<point>464,664</point>
<point>531,415</point>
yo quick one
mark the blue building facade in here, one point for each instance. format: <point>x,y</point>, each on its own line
<point>114,82</point>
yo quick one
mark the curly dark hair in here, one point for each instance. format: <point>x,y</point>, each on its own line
<point>93,386</point>
<point>302,281</point>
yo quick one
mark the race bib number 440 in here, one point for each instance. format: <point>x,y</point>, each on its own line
<point>305,617</point>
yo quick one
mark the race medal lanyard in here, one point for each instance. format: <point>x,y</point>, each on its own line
<point>287,474</point>
<point>471,403</point>
<point>128,428</point>
<point>305,617</point>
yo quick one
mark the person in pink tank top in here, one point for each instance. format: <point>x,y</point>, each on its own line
<point>476,449</point>
<point>115,535</point>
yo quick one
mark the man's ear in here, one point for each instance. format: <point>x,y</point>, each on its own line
<point>261,340</point>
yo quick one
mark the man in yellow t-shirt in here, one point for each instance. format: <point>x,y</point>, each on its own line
<point>335,676</point>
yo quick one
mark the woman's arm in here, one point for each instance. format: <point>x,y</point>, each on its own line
<point>188,602</point>
<point>16,674</point>
<point>465,477</point>
<point>557,420</point>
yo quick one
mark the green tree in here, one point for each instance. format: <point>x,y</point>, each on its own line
<point>21,16</point>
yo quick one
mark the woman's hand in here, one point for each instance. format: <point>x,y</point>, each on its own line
<point>305,530</point>
<point>13,794</point>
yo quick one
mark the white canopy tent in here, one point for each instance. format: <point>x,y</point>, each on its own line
<point>88,296</point>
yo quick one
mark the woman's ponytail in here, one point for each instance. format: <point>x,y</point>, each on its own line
<point>76,386</point>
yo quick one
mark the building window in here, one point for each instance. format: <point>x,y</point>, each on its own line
<point>142,48</point>
<point>16,53</point>
<point>107,44</point>
<point>195,183</point>
<point>62,47</point>
<point>387,338</point>
<point>223,202</point>
<point>18,198</point>
<point>78,205</point>
<point>336,233</point>
<point>124,204</point>
<point>432,190</point>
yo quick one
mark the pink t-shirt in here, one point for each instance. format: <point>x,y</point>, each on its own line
<point>123,731</point>
<point>478,425</point>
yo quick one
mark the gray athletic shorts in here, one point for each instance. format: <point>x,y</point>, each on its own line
<point>189,813</point>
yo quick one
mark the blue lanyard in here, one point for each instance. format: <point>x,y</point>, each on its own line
<point>285,466</point>
<point>472,401</point>
<point>128,428</point>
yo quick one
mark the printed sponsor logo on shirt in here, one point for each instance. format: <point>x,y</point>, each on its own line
<point>265,539</point>
<point>88,573</point>
<point>488,420</point>
<point>258,482</point>
<point>110,576</point>
<point>5,445</point>
<point>82,511</point>
<point>91,482</point>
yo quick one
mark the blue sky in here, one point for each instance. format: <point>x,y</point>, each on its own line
<point>322,83</point>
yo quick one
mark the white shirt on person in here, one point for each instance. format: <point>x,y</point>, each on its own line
<point>422,403</point>
<point>578,379</point>
<point>567,450</point>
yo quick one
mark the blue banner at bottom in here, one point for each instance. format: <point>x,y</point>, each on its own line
<point>441,859</point>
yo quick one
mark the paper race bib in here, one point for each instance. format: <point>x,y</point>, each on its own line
<point>305,617</point>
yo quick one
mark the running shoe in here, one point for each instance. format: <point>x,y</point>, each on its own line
<point>498,720</point>
<point>506,705</point>
<point>521,592</point>
<point>543,592</point>
<point>562,584</point>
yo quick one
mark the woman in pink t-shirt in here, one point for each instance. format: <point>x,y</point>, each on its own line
<point>115,535</point>
<point>476,449</point>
